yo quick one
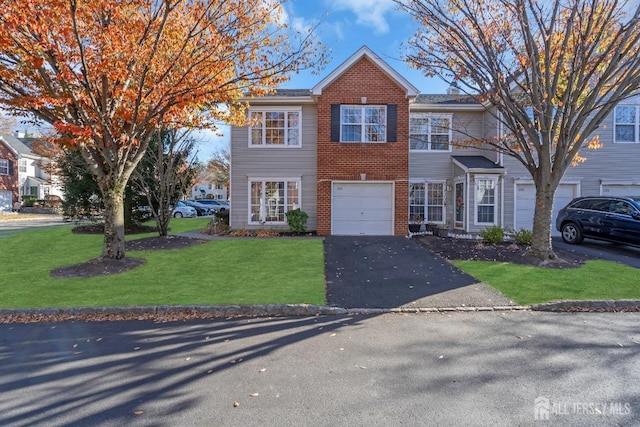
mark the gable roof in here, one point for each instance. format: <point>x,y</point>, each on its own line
<point>364,51</point>
<point>16,145</point>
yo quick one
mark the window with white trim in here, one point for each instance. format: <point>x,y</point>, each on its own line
<point>22,165</point>
<point>430,132</point>
<point>627,124</point>
<point>270,200</point>
<point>426,202</point>
<point>486,201</point>
<point>275,127</point>
<point>363,123</point>
<point>4,167</point>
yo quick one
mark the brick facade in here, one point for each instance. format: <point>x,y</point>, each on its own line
<point>347,161</point>
<point>9,182</point>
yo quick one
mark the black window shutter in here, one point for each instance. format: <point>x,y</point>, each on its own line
<point>10,167</point>
<point>335,122</point>
<point>392,123</point>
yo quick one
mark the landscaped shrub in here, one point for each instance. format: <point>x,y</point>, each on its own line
<point>28,200</point>
<point>493,234</point>
<point>222,216</point>
<point>523,237</point>
<point>297,220</point>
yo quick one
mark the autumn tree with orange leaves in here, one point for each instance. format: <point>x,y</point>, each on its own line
<point>108,74</point>
<point>550,71</point>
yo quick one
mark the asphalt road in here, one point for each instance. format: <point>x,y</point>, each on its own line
<point>420,369</point>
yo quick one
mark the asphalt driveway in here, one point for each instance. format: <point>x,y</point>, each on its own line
<point>393,271</point>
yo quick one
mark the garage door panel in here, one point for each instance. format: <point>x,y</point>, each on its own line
<point>620,190</point>
<point>526,204</point>
<point>362,209</point>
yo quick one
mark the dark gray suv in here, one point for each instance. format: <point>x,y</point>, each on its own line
<point>611,218</point>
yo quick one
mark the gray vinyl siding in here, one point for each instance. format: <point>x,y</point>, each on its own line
<point>269,162</point>
<point>437,165</point>
<point>612,162</point>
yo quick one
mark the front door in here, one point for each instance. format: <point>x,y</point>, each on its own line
<point>459,206</point>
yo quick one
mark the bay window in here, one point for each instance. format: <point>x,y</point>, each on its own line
<point>486,208</point>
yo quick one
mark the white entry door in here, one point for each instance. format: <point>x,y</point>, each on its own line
<point>525,204</point>
<point>362,208</point>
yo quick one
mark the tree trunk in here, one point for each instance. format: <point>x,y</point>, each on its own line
<point>113,197</point>
<point>541,246</point>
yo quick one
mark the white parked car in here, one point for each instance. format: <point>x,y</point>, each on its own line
<point>184,211</point>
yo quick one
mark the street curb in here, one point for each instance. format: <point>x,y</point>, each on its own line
<point>215,311</point>
<point>589,305</point>
<point>184,312</point>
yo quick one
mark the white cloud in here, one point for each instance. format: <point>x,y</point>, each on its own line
<point>369,13</point>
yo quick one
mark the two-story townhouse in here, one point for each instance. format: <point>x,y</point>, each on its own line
<point>30,175</point>
<point>363,153</point>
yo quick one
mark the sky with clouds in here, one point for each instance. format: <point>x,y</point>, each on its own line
<point>346,25</point>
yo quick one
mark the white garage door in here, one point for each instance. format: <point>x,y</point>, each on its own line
<point>6,200</point>
<point>620,190</point>
<point>362,209</point>
<point>526,203</point>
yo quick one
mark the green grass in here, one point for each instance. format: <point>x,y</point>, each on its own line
<point>532,285</point>
<point>258,271</point>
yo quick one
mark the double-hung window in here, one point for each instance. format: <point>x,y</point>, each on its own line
<point>627,124</point>
<point>275,127</point>
<point>486,201</point>
<point>426,202</point>
<point>4,167</point>
<point>363,123</point>
<point>430,132</point>
<point>271,199</point>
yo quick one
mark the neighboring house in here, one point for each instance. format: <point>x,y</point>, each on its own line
<point>363,153</point>
<point>21,172</point>
<point>209,190</point>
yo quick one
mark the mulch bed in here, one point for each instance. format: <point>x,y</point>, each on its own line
<point>104,266</point>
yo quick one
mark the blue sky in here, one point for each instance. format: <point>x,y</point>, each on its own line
<point>343,26</point>
<point>346,25</point>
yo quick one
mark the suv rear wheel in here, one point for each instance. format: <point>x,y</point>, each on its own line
<point>571,233</point>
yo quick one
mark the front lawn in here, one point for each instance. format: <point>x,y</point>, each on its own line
<point>595,280</point>
<point>257,271</point>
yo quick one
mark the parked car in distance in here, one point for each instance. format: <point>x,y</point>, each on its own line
<point>218,205</point>
<point>182,210</point>
<point>611,218</point>
<point>201,209</point>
